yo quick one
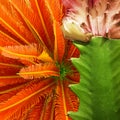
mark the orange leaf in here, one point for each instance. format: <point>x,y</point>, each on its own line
<point>72,51</point>
<point>39,71</point>
<point>74,77</point>
<point>11,21</point>
<point>9,89</point>
<point>9,66</point>
<point>15,106</point>
<point>48,109</point>
<point>6,96</point>
<point>72,100</point>
<point>65,101</point>
<point>55,8</point>
<point>45,17</point>
<point>37,19</point>
<point>45,57</point>
<point>42,111</point>
<point>10,80</point>
<point>35,112</point>
<point>60,105</point>
<point>22,51</point>
<point>6,40</point>
<point>59,45</point>
<point>8,71</point>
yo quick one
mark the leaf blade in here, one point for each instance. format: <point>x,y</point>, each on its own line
<point>39,71</point>
<point>96,89</point>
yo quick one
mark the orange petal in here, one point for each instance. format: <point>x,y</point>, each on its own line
<point>48,110</point>
<point>10,80</point>
<point>45,17</point>
<point>65,101</point>
<point>60,103</point>
<point>8,89</point>
<point>35,112</point>
<point>11,21</point>
<point>45,57</point>
<point>22,51</point>
<point>74,78</point>
<point>38,20</point>
<point>6,40</point>
<point>56,9</point>
<point>8,62</point>
<point>72,51</point>
<point>39,71</point>
<point>72,100</point>
<point>6,96</point>
<point>15,106</point>
<point>59,45</point>
<point>6,70</point>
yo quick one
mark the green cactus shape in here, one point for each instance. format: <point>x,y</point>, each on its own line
<point>99,87</point>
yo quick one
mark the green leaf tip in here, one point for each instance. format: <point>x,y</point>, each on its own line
<point>98,90</point>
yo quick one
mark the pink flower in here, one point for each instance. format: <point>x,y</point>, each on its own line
<point>91,17</point>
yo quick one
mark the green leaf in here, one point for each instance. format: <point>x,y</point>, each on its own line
<point>99,87</point>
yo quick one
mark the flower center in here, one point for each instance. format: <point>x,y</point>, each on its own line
<point>64,70</point>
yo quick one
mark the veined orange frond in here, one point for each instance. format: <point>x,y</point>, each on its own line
<point>40,24</point>
<point>48,106</point>
<point>12,88</point>
<point>11,21</point>
<point>35,112</point>
<point>39,71</point>
<point>25,99</point>
<point>59,45</point>
<point>56,9</point>
<point>10,80</point>
<point>7,40</point>
<point>72,51</point>
<point>22,51</point>
<point>45,57</point>
<point>64,101</point>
